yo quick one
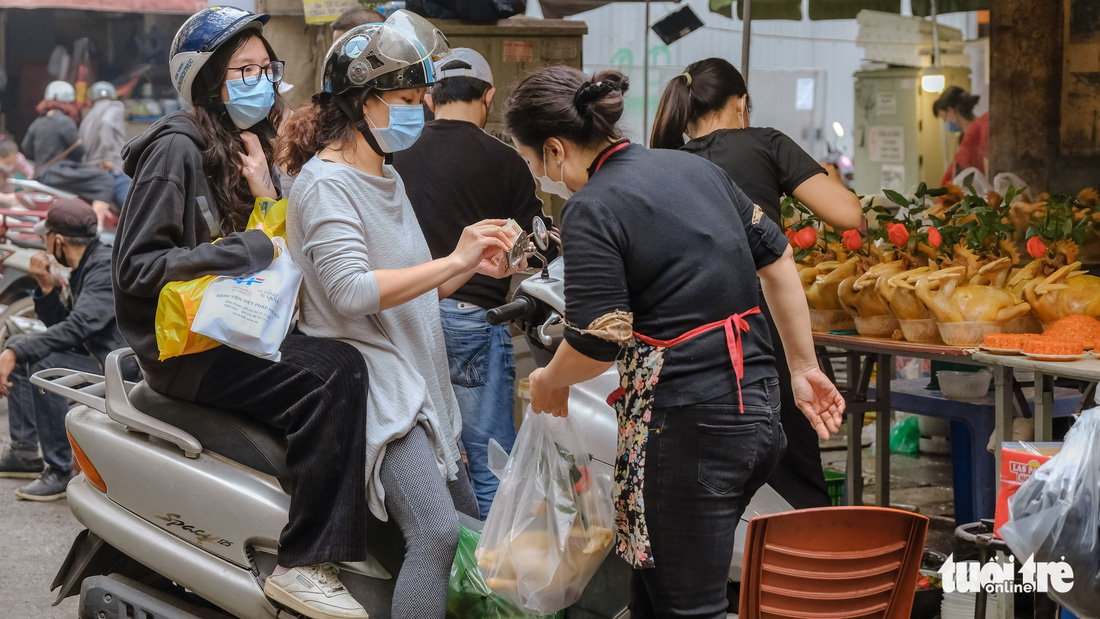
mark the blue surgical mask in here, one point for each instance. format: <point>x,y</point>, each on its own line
<point>406,123</point>
<point>249,105</point>
<point>953,128</point>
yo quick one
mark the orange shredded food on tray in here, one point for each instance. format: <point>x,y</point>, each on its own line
<point>1007,341</point>
<point>1052,346</point>
<point>1075,328</point>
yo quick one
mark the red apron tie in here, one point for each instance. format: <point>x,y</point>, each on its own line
<point>734,326</point>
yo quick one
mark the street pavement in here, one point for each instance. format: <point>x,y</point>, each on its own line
<point>36,538</point>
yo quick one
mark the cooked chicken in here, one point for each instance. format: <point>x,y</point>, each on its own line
<point>901,295</point>
<point>1067,291</point>
<point>822,293</point>
<point>951,302</point>
<point>859,293</point>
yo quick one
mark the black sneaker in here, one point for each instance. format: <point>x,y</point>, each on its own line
<point>20,464</point>
<point>49,486</point>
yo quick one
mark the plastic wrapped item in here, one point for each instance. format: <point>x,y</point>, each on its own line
<point>252,313</point>
<point>467,593</point>
<point>877,326</point>
<point>551,524</point>
<point>922,331</point>
<point>1055,515</point>
<point>966,333</point>
<point>823,321</point>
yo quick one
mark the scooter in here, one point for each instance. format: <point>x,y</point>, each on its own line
<point>184,504</point>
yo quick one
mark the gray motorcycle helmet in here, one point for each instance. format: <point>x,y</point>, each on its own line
<point>393,55</point>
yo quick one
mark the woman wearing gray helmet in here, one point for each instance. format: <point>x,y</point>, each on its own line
<point>196,176</point>
<point>369,279</point>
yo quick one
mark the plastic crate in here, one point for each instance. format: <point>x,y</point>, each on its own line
<point>834,483</point>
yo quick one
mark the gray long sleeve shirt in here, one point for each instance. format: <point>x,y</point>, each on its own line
<point>343,224</point>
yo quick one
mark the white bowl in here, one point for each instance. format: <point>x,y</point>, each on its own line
<point>964,385</point>
<point>966,333</point>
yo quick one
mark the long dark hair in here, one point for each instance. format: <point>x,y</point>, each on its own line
<point>312,128</point>
<point>704,87</point>
<point>563,102</point>
<point>956,97</point>
<point>222,143</point>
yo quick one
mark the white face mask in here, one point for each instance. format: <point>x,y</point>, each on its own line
<point>558,187</point>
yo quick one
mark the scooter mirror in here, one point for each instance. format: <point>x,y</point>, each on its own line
<point>539,234</point>
<point>518,251</point>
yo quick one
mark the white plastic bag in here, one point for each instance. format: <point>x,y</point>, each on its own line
<point>975,177</point>
<point>252,314</point>
<point>551,523</point>
<point>1055,515</point>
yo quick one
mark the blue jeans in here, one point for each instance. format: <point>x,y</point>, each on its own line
<point>37,418</point>
<point>483,374</point>
<point>122,187</point>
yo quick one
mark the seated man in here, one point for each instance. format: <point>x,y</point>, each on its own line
<point>12,163</point>
<point>81,332</point>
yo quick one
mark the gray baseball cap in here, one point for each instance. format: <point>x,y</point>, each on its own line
<point>479,67</point>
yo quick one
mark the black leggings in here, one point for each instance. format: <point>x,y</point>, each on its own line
<point>799,478</point>
<point>317,394</point>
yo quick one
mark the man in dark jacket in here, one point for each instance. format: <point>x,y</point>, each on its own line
<point>81,332</point>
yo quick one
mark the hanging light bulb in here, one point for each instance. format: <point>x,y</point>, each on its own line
<point>933,80</point>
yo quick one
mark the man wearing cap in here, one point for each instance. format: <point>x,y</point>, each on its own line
<point>81,332</point>
<point>457,175</point>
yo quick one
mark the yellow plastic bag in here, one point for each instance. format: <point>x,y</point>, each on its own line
<point>176,308</point>
<point>272,214</point>
<point>179,301</point>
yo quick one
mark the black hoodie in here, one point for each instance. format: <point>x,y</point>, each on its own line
<point>164,235</point>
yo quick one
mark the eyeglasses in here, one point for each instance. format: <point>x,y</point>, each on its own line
<point>251,73</point>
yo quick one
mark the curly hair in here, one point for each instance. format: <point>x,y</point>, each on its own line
<point>311,129</point>
<point>222,143</point>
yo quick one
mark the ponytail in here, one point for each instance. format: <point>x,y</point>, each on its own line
<point>672,114</point>
<point>309,130</point>
<point>703,88</point>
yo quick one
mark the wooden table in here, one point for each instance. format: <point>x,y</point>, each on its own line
<point>878,352</point>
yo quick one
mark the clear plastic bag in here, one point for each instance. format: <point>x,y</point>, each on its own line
<point>551,522</point>
<point>1055,515</point>
<point>467,594</point>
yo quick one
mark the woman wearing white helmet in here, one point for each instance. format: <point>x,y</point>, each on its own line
<point>196,175</point>
<point>369,279</point>
<point>53,144</point>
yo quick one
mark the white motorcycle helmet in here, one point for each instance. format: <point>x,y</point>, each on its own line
<point>102,90</point>
<point>60,91</point>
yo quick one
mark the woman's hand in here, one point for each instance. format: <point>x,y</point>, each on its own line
<point>546,398</point>
<point>254,167</point>
<point>480,242</point>
<point>818,399</point>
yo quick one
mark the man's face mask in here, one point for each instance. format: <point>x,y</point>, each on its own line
<point>558,187</point>
<point>57,251</point>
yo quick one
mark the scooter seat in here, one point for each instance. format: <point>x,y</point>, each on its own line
<point>232,435</point>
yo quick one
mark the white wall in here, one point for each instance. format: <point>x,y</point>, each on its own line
<point>616,39</point>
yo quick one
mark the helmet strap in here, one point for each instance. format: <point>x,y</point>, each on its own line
<point>356,116</point>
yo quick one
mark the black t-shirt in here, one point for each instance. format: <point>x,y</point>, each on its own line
<point>763,162</point>
<point>669,237</point>
<point>457,175</point>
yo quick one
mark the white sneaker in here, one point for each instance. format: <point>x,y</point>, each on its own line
<point>314,591</point>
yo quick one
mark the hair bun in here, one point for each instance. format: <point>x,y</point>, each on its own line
<point>590,92</point>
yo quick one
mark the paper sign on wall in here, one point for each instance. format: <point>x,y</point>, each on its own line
<point>804,94</point>
<point>893,177</point>
<point>324,11</point>
<point>886,103</point>
<point>887,144</point>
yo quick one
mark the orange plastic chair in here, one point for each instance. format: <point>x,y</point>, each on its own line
<point>832,563</point>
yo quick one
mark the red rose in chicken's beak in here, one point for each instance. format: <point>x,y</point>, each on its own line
<point>1036,248</point>
<point>805,238</point>
<point>852,240</point>
<point>934,238</point>
<point>897,234</point>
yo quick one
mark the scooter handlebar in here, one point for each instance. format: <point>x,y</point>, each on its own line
<point>509,311</point>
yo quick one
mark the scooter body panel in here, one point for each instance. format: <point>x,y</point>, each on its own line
<point>208,501</point>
